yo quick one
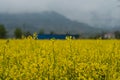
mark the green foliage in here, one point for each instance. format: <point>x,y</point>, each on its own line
<point>18,33</point>
<point>28,33</point>
<point>117,34</point>
<point>3,31</point>
<point>52,32</point>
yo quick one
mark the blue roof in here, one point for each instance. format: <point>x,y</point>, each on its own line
<point>50,36</point>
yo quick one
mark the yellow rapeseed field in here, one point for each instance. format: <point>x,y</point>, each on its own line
<point>30,59</point>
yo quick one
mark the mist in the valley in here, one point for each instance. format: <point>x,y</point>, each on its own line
<point>97,13</point>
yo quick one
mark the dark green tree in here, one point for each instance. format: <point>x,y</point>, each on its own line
<point>3,31</point>
<point>18,33</point>
<point>52,32</point>
<point>28,33</point>
<point>96,36</point>
<point>117,34</point>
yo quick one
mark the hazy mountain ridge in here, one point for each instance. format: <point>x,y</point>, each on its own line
<point>49,21</point>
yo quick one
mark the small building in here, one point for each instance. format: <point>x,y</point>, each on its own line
<point>55,36</point>
<point>109,36</point>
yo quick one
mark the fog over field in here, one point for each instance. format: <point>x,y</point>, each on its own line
<point>96,13</point>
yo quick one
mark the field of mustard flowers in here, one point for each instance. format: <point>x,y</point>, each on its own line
<point>30,59</point>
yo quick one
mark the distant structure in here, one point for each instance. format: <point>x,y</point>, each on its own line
<point>55,36</point>
<point>109,36</point>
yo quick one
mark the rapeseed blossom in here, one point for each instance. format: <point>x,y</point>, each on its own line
<point>68,59</point>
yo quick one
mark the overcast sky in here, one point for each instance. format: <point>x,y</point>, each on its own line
<point>81,10</point>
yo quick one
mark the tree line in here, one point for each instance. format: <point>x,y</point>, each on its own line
<point>18,33</point>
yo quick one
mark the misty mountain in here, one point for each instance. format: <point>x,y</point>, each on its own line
<point>117,28</point>
<point>47,21</point>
